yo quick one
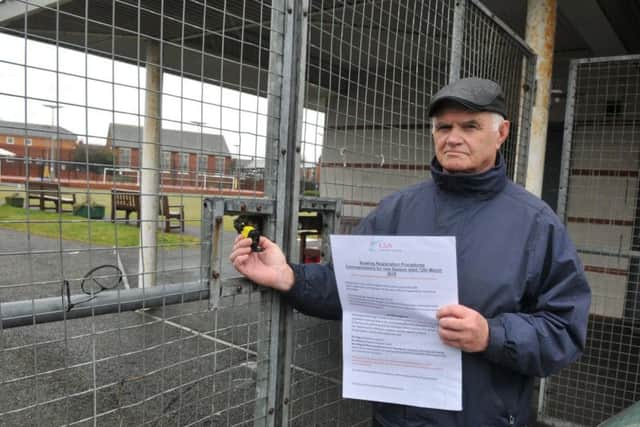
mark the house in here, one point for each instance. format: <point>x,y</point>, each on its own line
<point>186,158</point>
<point>40,150</point>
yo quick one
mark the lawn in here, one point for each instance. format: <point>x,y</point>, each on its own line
<point>70,227</point>
<point>192,202</point>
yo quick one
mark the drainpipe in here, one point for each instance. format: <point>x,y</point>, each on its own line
<point>540,35</point>
<point>150,167</point>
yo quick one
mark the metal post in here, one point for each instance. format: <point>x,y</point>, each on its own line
<point>457,34</point>
<point>150,166</point>
<point>566,141</point>
<point>286,188</point>
<point>55,309</point>
<point>540,35</point>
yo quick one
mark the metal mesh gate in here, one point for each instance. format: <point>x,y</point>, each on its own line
<point>140,109</point>
<point>599,200</point>
<point>148,109</point>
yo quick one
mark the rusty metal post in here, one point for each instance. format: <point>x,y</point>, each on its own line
<point>540,35</point>
<point>150,169</point>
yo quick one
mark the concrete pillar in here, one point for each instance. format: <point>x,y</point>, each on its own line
<point>150,169</point>
<point>540,35</point>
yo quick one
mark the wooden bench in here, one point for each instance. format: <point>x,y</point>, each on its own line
<point>45,192</point>
<point>129,201</point>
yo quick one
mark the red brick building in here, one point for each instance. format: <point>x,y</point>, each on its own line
<point>37,149</point>
<point>186,158</point>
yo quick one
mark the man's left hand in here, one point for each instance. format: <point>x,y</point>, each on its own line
<point>464,328</point>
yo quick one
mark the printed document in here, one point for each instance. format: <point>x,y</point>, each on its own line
<point>391,288</point>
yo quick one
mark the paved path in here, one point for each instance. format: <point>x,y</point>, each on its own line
<point>34,267</point>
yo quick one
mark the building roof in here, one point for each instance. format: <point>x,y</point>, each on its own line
<point>32,130</point>
<point>128,136</point>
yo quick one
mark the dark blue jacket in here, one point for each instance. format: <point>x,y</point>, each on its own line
<point>516,266</point>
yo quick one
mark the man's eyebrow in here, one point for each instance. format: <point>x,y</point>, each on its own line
<point>464,123</point>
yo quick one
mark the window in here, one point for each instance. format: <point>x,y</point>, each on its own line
<point>166,161</point>
<point>203,162</point>
<point>220,165</point>
<point>184,162</point>
<point>124,157</point>
<point>28,141</point>
<point>10,140</point>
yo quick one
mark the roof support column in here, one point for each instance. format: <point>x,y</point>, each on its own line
<point>150,169</point>
<point>540,35</point>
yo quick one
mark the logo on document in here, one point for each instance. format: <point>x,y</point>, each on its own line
<point>380,245</point>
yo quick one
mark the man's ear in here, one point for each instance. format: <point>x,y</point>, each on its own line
<point>503,133</point>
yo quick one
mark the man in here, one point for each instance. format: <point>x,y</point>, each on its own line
<point>524,300</point>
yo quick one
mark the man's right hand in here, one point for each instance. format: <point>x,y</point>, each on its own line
<point>267,268</point>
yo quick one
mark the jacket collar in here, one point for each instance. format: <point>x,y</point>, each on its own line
<point>484,184</point>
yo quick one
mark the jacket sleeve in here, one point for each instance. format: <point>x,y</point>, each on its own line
<point>315,291</point>
<point>551,331</point>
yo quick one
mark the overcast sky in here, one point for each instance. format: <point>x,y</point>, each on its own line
<point>94,91</point>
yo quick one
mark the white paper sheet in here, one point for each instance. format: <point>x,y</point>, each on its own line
<point>390,289</point>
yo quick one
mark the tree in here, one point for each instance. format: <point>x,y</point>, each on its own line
<point>96,157</point>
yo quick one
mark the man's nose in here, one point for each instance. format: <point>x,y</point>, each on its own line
<point>454,136</point>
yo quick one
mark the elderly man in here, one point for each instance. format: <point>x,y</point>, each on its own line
<point>524,299</point>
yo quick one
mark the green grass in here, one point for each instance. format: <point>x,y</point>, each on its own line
<point>69,227</point>
<point>192,202</point>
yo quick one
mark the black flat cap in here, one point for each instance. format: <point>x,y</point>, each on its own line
<point>473,94</point>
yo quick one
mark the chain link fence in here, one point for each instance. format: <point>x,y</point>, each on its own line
<point>599,201</point>
<point>157,121</point>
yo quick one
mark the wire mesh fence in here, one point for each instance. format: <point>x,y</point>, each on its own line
<point>131,113</point>
<point>491,50</point>
<point>134,114</point>
<point>599,201</point>
<point>371,67</point>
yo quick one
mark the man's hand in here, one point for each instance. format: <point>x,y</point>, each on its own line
<point>463,328</point>
<point>266,268</point>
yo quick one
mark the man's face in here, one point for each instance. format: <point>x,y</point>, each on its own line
<point>467,141</point>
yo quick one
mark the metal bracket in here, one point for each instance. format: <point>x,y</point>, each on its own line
<point>213,213</point>
<point>326,222</point>
<point>262,210</point>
